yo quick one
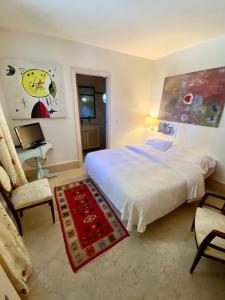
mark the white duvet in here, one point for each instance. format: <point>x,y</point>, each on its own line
<point>144,184</point>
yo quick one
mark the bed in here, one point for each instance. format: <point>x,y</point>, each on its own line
<point>144,183</point>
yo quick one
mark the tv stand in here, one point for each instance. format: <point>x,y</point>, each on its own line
<point>38,152</point>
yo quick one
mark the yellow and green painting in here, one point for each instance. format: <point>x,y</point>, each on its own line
<point>33,90</point>
<point>194,98</point>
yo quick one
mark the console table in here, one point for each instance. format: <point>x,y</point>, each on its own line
<point>37,153</point>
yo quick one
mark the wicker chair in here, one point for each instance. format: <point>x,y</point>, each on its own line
<point>209,226</point>
<point>25,196</point>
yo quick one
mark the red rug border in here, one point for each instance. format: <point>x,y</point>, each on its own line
<point>74,268</point>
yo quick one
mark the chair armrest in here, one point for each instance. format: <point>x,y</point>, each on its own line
<point>219,234</point>
<point>216,195</point>
<point>208,239</point>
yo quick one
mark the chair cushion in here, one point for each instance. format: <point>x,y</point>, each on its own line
<point>4,180</point>
<point>207,220</point>
<point>31,193</point>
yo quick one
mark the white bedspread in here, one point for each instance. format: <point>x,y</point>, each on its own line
<point>144,184</point>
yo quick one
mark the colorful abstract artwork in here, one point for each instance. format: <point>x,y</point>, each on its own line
<point>33,90</point>
<point>167,128</point>
<point>194,98</point>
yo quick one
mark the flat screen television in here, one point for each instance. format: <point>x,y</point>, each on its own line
<point>30,135</point>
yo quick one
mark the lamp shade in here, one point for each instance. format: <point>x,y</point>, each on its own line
<point>151,121</point>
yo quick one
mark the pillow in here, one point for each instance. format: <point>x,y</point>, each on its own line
<point>159,144</point>
<point>205,162</point>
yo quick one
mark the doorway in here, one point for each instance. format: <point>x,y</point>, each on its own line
<point>92,103</point>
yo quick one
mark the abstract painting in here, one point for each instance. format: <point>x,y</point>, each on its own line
<point>167,128</point>
<point>195,98</point>
<point>33,90</point>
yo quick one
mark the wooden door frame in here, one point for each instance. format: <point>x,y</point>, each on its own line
<point>90,72</point>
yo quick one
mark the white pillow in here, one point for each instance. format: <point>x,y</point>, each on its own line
<point>205,162</point>
<point>159,144</point>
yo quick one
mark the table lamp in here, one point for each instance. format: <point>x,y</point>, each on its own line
<point>151,122</point>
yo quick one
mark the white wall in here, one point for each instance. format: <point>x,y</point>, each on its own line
<point>130,88</point>
<point>130,91</point>
<point>204,56</point>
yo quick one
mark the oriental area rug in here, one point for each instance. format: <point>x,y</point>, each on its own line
<point>89,224</point>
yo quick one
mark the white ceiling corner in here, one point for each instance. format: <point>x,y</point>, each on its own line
<point>145,28</point>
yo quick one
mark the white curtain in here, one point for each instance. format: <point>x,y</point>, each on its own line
<point>14,257</point>
<point>8,156</point>
<point>13,254</point>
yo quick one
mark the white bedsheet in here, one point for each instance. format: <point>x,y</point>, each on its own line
<point>144,184</point>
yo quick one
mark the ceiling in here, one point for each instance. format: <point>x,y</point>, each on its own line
<point>146,28</point>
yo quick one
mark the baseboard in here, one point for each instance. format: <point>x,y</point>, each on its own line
<point>30,173</point>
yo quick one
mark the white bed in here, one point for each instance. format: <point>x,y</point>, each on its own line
<point>145,184</point>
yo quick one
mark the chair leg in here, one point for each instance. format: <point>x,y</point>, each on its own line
<point>196,260</point>
<point>52,210</point>
<point>18,224</point>
<point>193,225</point>
<point>21,213</point>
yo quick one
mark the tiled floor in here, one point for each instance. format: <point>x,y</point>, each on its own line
<point>153,265</point>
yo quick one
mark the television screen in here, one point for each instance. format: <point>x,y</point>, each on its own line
<point>30,135</point>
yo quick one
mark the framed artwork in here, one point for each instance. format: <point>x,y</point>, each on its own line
<point>167,128</point>
<point>194,98</point>
<point>33,90</point>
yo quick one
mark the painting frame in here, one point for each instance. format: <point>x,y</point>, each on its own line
<point>196,98</point>
<point>168,128</point>
<point>33,89</point>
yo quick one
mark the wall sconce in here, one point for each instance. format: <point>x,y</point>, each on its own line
<point>104,98</point>
<point>84,99</point>
<point>151,122</point>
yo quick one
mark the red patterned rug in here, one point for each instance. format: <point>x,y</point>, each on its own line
<point>89,224</point>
